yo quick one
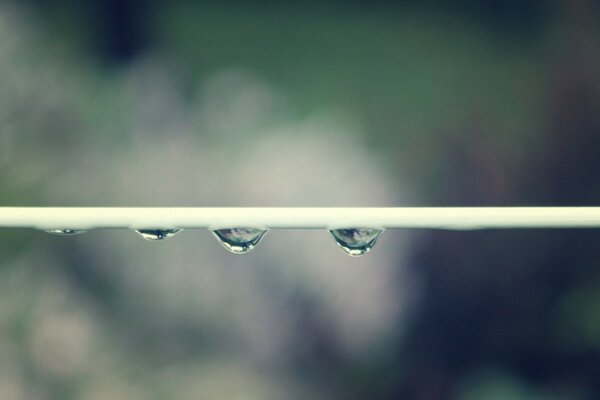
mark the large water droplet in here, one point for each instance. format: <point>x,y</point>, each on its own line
<point>66,232</point>
<point>239,240</point>
<point>356,241</point>
<point>157,234</point>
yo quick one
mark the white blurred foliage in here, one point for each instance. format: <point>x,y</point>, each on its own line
<point>63,329</point>
<point>227,379</point>
<point>317,162</point>
<point>231,141</point>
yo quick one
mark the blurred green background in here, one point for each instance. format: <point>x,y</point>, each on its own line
<point>318,103</point>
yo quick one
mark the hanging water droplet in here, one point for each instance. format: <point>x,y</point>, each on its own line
<point>157,234</point>
<point>239,240</point>
<point>66,232</point>
<point>356,241</point>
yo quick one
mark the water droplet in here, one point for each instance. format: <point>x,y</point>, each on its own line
<point>66,232</point>
<point>239,240</point>
<point>157,234</point>
<point>356,241</point>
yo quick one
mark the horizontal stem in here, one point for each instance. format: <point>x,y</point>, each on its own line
<point>301,217</point>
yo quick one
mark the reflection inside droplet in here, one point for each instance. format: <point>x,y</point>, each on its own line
<point>157,234</point>
<point>239,240</point>
<point>356,241</point>
<point>66,232</point>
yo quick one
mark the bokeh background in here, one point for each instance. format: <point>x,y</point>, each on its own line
<point>313,103</point>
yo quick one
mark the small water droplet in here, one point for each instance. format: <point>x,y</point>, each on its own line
<point>66,232</point>
<point>239,240</point>
<point>356,241</point>
<point>157,234</point>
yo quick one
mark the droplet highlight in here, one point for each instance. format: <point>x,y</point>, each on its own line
<point>66,232</point>
<point>157,234</point>
<point>356,241</point>
<point>239,240</point>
